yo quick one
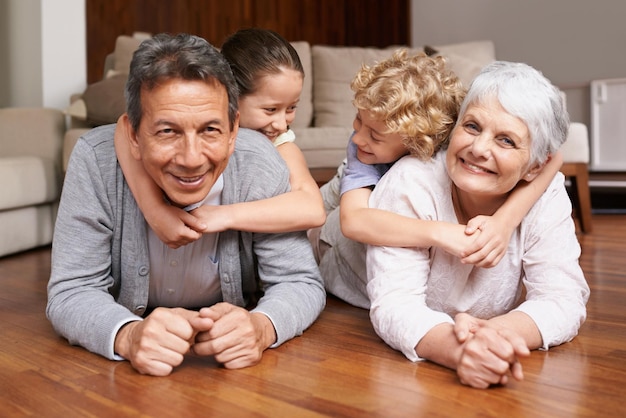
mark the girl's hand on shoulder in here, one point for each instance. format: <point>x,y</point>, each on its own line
<point>453,239</point>
<point>175,227</point>
<point>213,218</point>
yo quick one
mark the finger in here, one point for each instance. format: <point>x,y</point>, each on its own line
<point>201,324</point>
<point>193,223</point>
<point>517,342</point>
<point>218,310</point>
<point>474,225</point>
<point>464,325</point>
<point>516,371</point>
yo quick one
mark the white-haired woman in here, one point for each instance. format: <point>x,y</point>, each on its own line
<point>425,302</point>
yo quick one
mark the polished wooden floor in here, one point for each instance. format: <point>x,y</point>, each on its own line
<point>338,368</point>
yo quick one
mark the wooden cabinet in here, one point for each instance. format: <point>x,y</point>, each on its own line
<point>329,22</point>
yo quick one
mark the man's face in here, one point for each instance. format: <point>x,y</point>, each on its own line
<point>184,138</point>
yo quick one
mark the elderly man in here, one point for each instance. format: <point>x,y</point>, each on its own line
<point>117,290</point>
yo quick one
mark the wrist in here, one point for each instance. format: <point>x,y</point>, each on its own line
<point>122,343</point>
<point>266,334</point>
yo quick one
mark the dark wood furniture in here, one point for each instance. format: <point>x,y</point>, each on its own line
<point>327,22</point>
<point>578,173</point>
<point>338,368</point>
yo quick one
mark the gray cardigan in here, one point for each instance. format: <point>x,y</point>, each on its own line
<point>100,266</point>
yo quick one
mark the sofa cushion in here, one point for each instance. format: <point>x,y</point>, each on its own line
<point>323,146</point>
<point>304,114</point>
<point>466,59</point>
<point>27,181</point>
<point>125,46</point>
<point>333,70</point>
<point>104,100</point>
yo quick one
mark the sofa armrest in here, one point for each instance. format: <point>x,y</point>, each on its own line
<point>32,132</point>
<point>576,148</point>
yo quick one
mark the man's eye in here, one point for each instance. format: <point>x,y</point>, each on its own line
<point>270,109</point>
<point>165,132</point>
<point>211,129</point>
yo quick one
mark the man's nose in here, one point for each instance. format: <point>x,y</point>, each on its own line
<point>190,154</point>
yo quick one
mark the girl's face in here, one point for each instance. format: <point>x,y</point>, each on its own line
<point>373,145</point>
<point>272,107</point>
<point>489,151</point>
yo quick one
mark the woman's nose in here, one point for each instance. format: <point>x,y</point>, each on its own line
<point>481,145</point>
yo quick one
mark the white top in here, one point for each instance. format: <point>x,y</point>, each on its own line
<point>414,289</point>
<point>287,136</point>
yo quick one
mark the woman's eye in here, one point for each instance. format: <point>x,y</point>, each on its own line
<point>508,142</point>
<point>270,109</point>
<point>471,126</point>
<point>292,108</point>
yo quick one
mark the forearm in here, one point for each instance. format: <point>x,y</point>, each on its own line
<point>144,189</point>
<point>522,324</point>
<point>440,346</point>
<point>526,194</point>
<point>384,228</point>
<point>287,212</point>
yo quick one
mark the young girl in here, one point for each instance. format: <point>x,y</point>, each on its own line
<point>405,105</point>
<point>269,75</point>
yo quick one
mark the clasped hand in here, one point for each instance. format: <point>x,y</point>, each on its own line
<point>489,354</point>
<point>232,335</point>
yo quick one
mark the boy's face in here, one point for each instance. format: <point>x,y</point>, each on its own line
<point>373,145</point>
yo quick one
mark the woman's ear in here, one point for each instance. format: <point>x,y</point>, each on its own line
<point>534,171</point>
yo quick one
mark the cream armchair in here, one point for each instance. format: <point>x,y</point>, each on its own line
<point>575,167</point>
<point>31,140</point>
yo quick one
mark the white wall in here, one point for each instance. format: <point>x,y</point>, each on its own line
<point>45,45</point>
<point>64,50</point>
<point>571,41</point>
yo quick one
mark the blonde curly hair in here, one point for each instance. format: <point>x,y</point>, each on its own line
<point>416,96</point>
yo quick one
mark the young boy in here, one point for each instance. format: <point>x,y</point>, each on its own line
<point>405,105</point>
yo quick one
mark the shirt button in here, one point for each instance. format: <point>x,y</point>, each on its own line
<point>139,310</point>
<point>173,263</point>
<point>143,270</point>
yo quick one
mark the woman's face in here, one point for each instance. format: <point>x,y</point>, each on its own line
<point>489,151</point>
<point>272,107</point>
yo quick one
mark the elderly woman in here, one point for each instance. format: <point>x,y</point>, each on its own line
<point>429,305</point>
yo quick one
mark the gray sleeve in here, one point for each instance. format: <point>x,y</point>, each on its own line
<point>80,306</point>
<point>294,294</point>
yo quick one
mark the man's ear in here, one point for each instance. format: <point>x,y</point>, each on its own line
<point>534,171</point>
<point>233,134</point>
<point>127,133</point>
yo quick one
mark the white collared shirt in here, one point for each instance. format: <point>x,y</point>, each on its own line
<point>186,276</point>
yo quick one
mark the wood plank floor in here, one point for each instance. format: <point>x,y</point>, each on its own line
<point>338,368</point>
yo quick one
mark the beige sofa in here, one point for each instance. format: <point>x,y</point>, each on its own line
<point>325,113</point>
<point>30,176</point>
